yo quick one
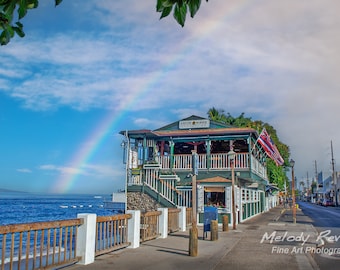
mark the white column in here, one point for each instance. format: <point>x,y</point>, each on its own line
<point>86,240</point>
<point>182,219</point>
<point>163,223</point>
<point>134,228</point>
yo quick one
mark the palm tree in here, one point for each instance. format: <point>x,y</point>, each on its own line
<point>216,115</point>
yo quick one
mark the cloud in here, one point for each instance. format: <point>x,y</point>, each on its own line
<point>62,169</point>
<point>93,170</point>
<point>24,170</point>
<point>275,61</point>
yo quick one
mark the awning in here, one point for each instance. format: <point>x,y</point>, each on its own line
<point>253,185</point>
<point>214,189</point>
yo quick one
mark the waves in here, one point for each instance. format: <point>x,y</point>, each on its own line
<point>34,208</point>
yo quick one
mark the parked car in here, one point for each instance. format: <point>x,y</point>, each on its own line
<point>327,202</point>
<point>319,202</point>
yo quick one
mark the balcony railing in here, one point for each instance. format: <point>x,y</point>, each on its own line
<point>217,161</point>
<point>220,161</point>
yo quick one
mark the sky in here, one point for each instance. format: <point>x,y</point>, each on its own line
<point>87,70</point>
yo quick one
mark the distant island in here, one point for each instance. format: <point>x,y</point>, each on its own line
<point>4,190</point>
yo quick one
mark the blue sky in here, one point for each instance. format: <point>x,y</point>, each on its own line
<point>89,69</point>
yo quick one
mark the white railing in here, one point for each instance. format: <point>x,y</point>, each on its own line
<point>182,162</point>
<point>258,168</point>
<point>168,190</point>
<point>151,179</point>
<point>165,187</point>
<point>165,161</point>
<point>184,196</point>
<point>217,161</point>
<point>135,180</point>
<point>222,161</point>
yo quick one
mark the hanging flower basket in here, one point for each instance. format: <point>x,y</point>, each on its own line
<point>135,171</point>
<point>155,166</point>
<point>169,177</point>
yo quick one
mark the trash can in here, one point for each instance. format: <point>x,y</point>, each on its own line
<point>210,213</point>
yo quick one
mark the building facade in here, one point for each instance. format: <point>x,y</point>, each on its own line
<point>162,162</point>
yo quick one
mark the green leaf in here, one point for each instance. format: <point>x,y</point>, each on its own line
<point>32,4</point>
<point>57,2</point>
<point>180,13</point>
<point>166,12</point>
<point>19,31</point>
<point>168,3</point>
<point>9,8</point>
<point>194,6</point>
<point>5,37</point>
<point>159,6</point>
<point>10,31</point>
<point>22,10</point>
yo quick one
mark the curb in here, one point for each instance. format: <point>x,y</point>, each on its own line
<point>281,213</point>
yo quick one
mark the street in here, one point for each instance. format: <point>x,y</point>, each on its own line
<point>326,220</point>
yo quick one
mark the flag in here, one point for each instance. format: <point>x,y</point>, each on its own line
<point>270,148</point>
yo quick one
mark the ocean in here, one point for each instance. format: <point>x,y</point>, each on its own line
<point>28,207</point>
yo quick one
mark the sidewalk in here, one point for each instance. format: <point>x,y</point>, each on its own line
<point>247,247</point>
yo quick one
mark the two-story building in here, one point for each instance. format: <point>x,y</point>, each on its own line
<point>160,163</point>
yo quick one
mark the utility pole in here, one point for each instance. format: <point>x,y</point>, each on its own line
<point>333,176</point>
<point>317,181</point>
<point>292,163</point>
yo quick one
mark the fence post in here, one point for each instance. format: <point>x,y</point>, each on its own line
<point>86,240</point>
<point>214,230</point>
<point>182,218</point>
<point>163,223</point>
<point>134,228</point>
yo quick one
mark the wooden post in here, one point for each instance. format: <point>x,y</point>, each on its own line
<point>225,223</point>
<point>214,230</point>
<point>193,232</point>
<point>193,241</point>
<point>233,193</point>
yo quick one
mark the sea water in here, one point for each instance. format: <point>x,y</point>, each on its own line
<point>17,208</point>
<point>28,207</point>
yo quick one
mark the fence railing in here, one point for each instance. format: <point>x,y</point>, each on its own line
<point>149,225</point>
<point>173,219</point>
<point>188,218</point>
<point>111,233</point>
<point>43,245</point>
<point>39,245</point>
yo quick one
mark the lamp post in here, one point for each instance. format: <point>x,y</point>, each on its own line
<point>292,163</point>
<point>231,155</point>
<point>126,146</point>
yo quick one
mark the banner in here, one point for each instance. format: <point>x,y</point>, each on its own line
<point>270,148</point>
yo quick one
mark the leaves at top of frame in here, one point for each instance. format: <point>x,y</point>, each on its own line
<point>180,8</point>
<point>7,10</point>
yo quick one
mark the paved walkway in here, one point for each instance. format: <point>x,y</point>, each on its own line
<point>247,247</point>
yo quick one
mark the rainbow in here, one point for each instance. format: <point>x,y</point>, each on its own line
<point>65,181</point>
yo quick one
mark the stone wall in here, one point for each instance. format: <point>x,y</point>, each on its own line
<point>142,202</point>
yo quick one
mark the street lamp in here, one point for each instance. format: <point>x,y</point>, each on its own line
<point>126,148</point>
<point>231,155</point>
<point>292,163</point>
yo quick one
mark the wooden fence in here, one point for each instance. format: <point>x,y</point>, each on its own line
<point>111,233</point>
<point>39,245</point>
<point>149,225</point>
<point>173,219</point>
<point>42,245</point>
<point>188,214</point>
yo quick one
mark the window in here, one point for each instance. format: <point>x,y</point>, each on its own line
<point>214,196</point>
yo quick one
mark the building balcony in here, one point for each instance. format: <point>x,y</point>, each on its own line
<point>218,162</point>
